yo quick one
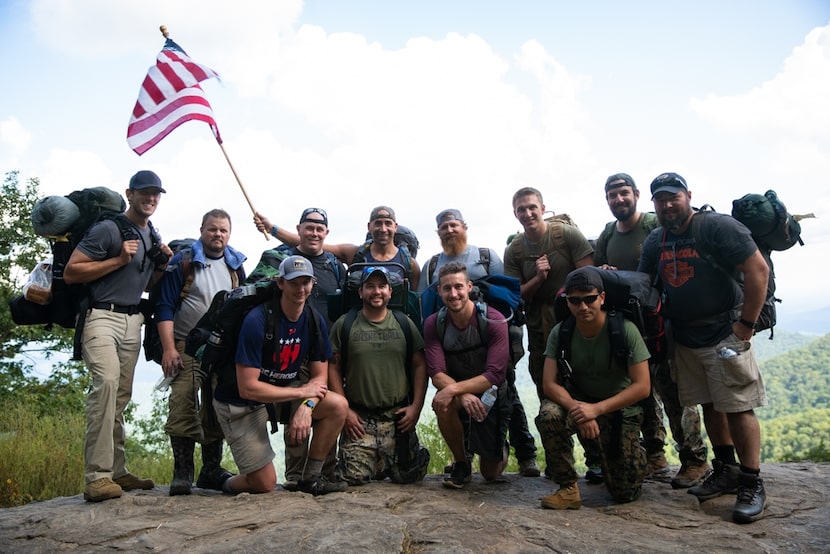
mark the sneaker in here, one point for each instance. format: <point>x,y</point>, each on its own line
<point>320,486</point>
<point>721,479</point>
<point>594,475</point>
<point>130,482</point>
<point>566,498</point>
<point>461,473</point>
<point>657,464</point>
<point>213,478</point>
<point>752,499</point>
<point>689,475</point>
<point>101,489</point>
<point>528,468</point>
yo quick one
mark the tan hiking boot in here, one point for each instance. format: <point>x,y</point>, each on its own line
<point>130,482</point>
<point>101,489</point>
<point>566,498</point>
<point>689,475</point>
<point>657,464</point>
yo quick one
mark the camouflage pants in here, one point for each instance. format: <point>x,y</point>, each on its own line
<point>623,460</point>
<point>367,458</point>
<point>683,421</point>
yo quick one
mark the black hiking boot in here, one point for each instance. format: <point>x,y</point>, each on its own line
<point>212,475</point>
<point>320,485</point>
<point>721,479</point>
<point>752,499</point>
<point>462,473</point>
<point>182,465</point>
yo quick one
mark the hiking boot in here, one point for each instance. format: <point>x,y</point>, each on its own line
<point>528,468</point>
<point>689,475</point>
<point>291,486</point>
<point>721,479</point>
<point>320,485</point>
<point>462,473</point>
<point>130,482</point>
<point>657,464</point>
<point>566,498</point>
<point>182,465</point>
<point>594,475</point>
<point>213,478</point>
<point>752,499</point>
<point>101,489</point>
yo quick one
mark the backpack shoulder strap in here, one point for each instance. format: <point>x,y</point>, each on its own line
<point>335,264</point>
<point>563,341</point>
<point>616,336</point>
<point>607,232</point>
<point>349,320</point>
<point>433,263</point>
<point>484,258</point>
<point>360,254</point>
<point>403,322</point>
<point>557,231</point>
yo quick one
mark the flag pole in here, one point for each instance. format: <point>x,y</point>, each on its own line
<point>166,34</point>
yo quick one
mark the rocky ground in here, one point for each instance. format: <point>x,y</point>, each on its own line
<point>426,517</point>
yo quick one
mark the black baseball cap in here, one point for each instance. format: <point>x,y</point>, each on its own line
<point>310,211</point>
<point>611,182</point>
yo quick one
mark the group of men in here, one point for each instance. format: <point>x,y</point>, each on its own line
<point>356,386</point>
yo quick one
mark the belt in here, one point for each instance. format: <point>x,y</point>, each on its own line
<point>129,310</point>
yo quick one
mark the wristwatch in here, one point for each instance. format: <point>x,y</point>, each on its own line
<point>749,324</point>
<point>310,403</point>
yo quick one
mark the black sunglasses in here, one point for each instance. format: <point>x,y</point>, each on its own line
<point>577,300</point>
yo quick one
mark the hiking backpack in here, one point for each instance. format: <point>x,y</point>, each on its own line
<point>269,263</point>
<point>767,218</point>
<point>214,339</point>
<point>403,298</point>
<point>64,221</point>
<point>153,350</point>
<point>502,292</point>
<point>404,238</point>
<point>483,321</point>
<point>407,257</point>
<point>768,316</point>
<point>632,295</point>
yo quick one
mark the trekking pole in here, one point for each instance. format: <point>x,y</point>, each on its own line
<point>242,188</point>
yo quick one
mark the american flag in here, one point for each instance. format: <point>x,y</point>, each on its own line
<point>169,96</point>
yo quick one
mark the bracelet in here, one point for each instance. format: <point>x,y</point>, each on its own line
<point>751,324</point>
<point>274,231</point>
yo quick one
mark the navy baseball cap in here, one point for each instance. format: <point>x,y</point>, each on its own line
<point>668,182</point>
<point>145,179</point>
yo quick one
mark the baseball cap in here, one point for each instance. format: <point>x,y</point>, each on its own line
<point>371,270</point>
<point>309,211</point>
<point>450,214</point>
<point>668,182</point>
<point>624,177</point>
<point>145,179</point>
<point>295,266</point>
<point>382,212</point>
<point>584,278</point>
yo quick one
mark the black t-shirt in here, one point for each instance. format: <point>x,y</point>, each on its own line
<point>330,274</point>
<point>702,300</point>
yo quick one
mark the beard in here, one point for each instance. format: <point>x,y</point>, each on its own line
<point>453,245</point>
<point>674,221</point>
<point>624,212</point>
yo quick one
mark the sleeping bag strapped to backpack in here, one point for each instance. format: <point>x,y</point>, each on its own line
<point>767,218</point>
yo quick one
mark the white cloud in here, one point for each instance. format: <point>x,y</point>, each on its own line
<point>16,139</point>
<point>66,170</point>
<point>793,104</point>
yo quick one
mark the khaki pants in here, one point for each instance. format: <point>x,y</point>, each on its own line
<point>111,344</point>
<point>186,417</point>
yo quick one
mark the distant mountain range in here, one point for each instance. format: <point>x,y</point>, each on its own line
<point>814,322</point>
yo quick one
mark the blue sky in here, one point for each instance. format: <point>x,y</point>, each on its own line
<point>427,105</point>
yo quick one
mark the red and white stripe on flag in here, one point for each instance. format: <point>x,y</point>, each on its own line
<point>169,96</point>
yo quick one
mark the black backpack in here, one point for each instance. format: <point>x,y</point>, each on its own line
<point>633,296</point>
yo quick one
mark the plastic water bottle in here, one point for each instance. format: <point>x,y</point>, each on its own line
<point>489,398</point>
<point>726,353</point>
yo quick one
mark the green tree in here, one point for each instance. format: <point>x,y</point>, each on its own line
<point>22,348</point>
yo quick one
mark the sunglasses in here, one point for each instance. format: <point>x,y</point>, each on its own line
<point>308,211</point>
<point>577,300</point>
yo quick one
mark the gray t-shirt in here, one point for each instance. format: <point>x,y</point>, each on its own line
<point>471,257</point>
<point>125,285</point>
